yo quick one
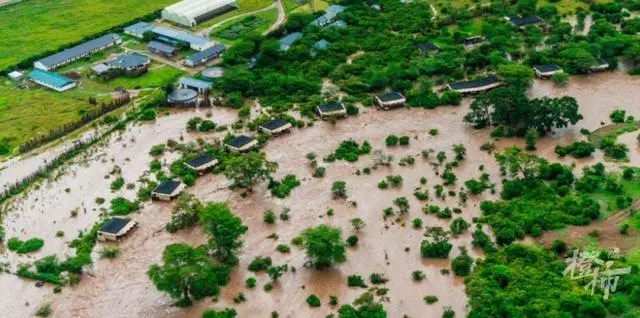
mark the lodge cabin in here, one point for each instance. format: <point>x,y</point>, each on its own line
<point>126,64</point>
<point>201,163</point>
<point>546,70</point>
<point>523,22</point>
<point>332,110</point>
<point>168,190</point>
<point>390,100</point>
<point>161,49</point>
<point>473,41</point>
<point>242,143</point>
<point>275,126</point>
<point>116,228</point>
<point>475,86</point>
<point>600,65</point>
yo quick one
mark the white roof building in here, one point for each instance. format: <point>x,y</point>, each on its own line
<point>191,12</point>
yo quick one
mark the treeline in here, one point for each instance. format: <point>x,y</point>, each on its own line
<point>69,127</point>
<point>26,63</point>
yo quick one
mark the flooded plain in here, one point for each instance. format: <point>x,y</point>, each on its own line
<point>120,288</point>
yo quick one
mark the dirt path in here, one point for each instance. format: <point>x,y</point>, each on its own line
<point>282,17</point>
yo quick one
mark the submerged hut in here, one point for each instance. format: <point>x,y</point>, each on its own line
<point>546,70</point>
<point>275,126</point>
<point>390,100</point>
<point>115,228</point>
<point>201,162</point>
<point>475,86</point>
<point>168,190</point>
<point>242,143</point>
<point>332,109</point>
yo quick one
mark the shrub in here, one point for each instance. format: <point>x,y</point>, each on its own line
<point>44,310</point>
<point>157,150</point>
<point>122,206</point>
<point>282,189</point>
<point>579,149</point>
<point>269,217</point>
<point>352,241</point>
<point>383,185</point>
<point>148,115</point>
<point>404,140</point>
<point>24,247</point>
<point>560,79</point>
<point>117,184</point>
<point>206,125</point>
<point>319,172</point>
<point>356,281</point>
<point>350,150</point>
<point>391,140</point>
<point>618,116</point>
<point>313,301</point>
<point>417,223</point>
<point>109,252</point>
<point>458,226</point>
<point>418,275</point>
<point>250,282</point>
<point>378,279</point>
<point>436,245</point>
<point>283,248</point>
<point>260,264</point>
<point>433,132</point>
<point>339,189</point>
<point>430,299</point>
<point>395,181</point>
<point>461,265</point>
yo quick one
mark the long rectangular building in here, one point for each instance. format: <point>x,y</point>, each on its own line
<point>51,80</point>
<point>175,36</point>
<point>205,56</point>
<point>189,13</point>
<point>77,52</point>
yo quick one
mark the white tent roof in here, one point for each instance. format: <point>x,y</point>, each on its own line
<point>191,9</point>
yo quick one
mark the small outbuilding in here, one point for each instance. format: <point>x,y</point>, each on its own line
<point>287,41</point>
<point>390,100</point>
<point>275,126</point>
<point>546,70</point>
<point>332,109</point>
<point>116,228</point>
<point>321,45</point>
<point>161,48</point>
<point>201,162</point>
<point>168,190</point>
<point>138,29</point>
<point>205,56</point>
<point>242,143</point>
<point>475,86</point>
<point>15,76</point>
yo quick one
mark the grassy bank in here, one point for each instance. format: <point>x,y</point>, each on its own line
<point>32,27</point>
<point>244,6</point>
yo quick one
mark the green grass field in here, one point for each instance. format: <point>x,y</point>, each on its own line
<point>268,18</point>
<point>32,27</point>
<point>158,76</point>
<point>244,6</point>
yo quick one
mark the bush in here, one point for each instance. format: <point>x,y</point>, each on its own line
<point>44,310</point>
<point>418,275</point>
<point>352,241</point>
<point>24,247</point>
<point>117,184</point>
<point>206,125</point>
<point>404,140</point>
<point>560,79</point>
<point>430,299</point>
<point>319,172</point>
<point>458,226</point>
<point>461,265</point>
<point>378,279</point>
<point>109,252</point>
<point>122,206</point>
<point>350,150</point>
<point>339,189</point>
<point>618,116</point>
<point>250,282</point>
<point>269,217</point>
<point>356,281</point>
<point>391,140</point>
<point>148,115</point>
<point>417,223</point>
<point>157,150</point>
<point>282,189</point>
<point>283,248</point>
<point>313,301</point>
<point>578,149</point>
<point>260,264</point>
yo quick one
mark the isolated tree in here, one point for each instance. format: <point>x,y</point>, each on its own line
<point>462,263</point>
<point>517,162</point>
<point>460,151</point>
<point>437,243</point>
<point>245,170</point>
<point>188,273</point>
<point>531,137</point>
<point>224,229</point>
<point>324,246</point>
<point>357,224</point>
<point>517,75</point>
<point>546,113</point>
<point>276,272</point>
<point>363,307</point>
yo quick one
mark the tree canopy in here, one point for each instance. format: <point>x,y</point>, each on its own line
<point>324,246</point>
<point>225,230</point>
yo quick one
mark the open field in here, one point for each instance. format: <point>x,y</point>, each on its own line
<point>291,6</point>
<point>267,18</point>
<point>32,27</point>
<point>244,6</point>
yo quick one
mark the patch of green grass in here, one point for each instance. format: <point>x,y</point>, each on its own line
<point>268,18</point>
<point>633,256</point>
<point>158,76</point>
<point>32,27</point>
<point>244,6</point>
<point>608,199</point>
<point>291,6</point>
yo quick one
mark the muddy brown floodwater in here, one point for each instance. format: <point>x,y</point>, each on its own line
<point>120,288</point>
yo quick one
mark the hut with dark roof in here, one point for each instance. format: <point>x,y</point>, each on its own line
<point>546,70</point>
<point>428,48</point>
<point>168,190</point>
<point>115,228</point>
<point>475,86</point>
<point>242,143</point>
<point>332,109</point>
<point>275,126</point>
<point>390,100</point>
<point>600,65</point>
<point>201,162</point>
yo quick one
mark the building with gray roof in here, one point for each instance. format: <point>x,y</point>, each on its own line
<point>205,56</point>
<point>330,13</point>
<point>137,30</point>
<point>77,52</point>
<point>321,45</point>
<point>175,36</point>
<point>126,63</point>
<point>161,48</point>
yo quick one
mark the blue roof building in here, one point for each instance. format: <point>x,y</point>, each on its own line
<point>138,29</point>
<point>287,41</point>
<point>51,80</point>
<point>338,24</point>
<point>195,84</point>
<point>321,45</point>
<point>175,36</point>
<point>330,14</point>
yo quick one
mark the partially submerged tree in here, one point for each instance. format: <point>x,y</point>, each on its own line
<point>225,230</point>
<point>517,162</point>
<point>188,273</point>
<point>245,170</point>
<point>324,246</point>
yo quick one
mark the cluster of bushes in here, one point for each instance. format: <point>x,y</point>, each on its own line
<point>281,189</point>
<point>350,150</point>
<point>23,247</point>
<point>393,140</point>
<point>199,124</point>
<point>578,149</point>
<point>122,206</point>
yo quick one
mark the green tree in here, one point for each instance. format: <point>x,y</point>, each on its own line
<point>363,307</point>
<point>462,263</point>
<point>324,246</point>
<point>222,313</point>
<point>518,75</point>
<point>531,138</point>
<point>245,170</point>
<point>224,229</point>
<point>188,273</point>
<point>516,162</point>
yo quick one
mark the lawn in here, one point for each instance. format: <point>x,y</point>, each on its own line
<point>244,6</point>
<point>291,6</point>
<point>25,113</point>
<point>32,27</point>
<point>266,19</point>
<point>631,188</point>
<point>158,76</point>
